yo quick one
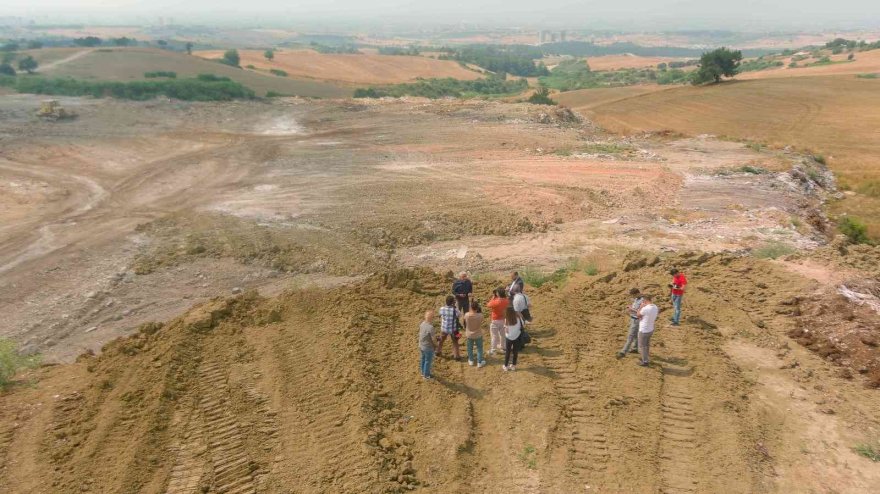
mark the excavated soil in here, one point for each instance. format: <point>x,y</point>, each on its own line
<point>317,388</point>
<point>336,224</point>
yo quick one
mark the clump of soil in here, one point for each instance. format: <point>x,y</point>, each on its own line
<point>841,330</point>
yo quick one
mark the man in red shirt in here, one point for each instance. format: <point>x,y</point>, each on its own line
<point>677,288</point>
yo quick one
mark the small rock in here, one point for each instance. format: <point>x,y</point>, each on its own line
<point>89,330</point>
<point>236,290</point>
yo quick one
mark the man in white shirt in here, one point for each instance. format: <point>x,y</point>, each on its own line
<point>647,317</point>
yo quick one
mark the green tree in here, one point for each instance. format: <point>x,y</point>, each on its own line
<point>269,54</point>
<point>27,64</point>
<point>34,45</point>
<point>717,64</point>
<point>10,46</point>
<point>231,58</point>
<point>6,69</point>
<point>189,48</point>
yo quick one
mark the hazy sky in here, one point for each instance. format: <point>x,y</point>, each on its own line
<point>736,15</point>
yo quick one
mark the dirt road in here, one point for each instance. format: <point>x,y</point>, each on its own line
<point>51,65</point>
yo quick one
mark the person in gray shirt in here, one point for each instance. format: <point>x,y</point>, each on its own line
<point>427,344</point>
<point>632,337</point>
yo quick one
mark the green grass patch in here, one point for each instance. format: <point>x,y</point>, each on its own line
<point>205,87</point>
<point>867,451</point>
<point>278,72</point>
<point>606,148</point>
<point>868,76</point>
<point>11,361</point>
<point>818,158</point>
<point>773,250</point>
<point>529,457</point>
<point>752,170</point>
<point>538,278</point>
<point>854,229</point>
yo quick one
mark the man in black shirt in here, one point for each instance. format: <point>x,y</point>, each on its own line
<point>462,288</point>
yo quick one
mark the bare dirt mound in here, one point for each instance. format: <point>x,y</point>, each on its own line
<point>317,388</point>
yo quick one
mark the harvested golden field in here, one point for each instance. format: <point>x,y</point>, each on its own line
<point>129,64</point>
<point>867,62</point>
<point>584,99</point>
<point>626,61</point>
<point>836,116</point>
<point>367,68</point>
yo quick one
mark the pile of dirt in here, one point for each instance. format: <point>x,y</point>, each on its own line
<point>317,388</point>
<point>843,327</point>
<point>182,238</point>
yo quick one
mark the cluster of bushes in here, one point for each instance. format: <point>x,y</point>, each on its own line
<point>500,59</point>
<point>278,72</point>
<point>855,230</point>
<point>759,64</point>
<point>231,58</point>
<point>576,74</point>
<point>340,48</point>
<point>88,41</point>
<point>160,73</point>
<point>541,97</point>
<point>838,45</point>
<point>396,50</point>
<point>203,88</point>
<point>439,88</point>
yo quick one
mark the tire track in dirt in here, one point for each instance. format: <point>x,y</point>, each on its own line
<point>677,460</point>
<point>325,425</point>
<point>213,432</point>
<point>579,357</point>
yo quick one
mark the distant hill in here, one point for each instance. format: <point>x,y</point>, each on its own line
<point>129,64</point>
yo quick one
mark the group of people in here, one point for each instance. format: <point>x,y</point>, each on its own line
<point>510,314</point>
<point>462,316</point>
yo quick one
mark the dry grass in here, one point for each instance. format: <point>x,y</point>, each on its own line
<point>625,61</point>
<point>836,116</point>
<point>585,99</point>
<point>128,64</point>
<point>367,68</point>
<point>865,63</point>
